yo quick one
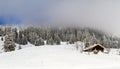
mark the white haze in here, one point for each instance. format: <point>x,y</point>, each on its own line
<point>100,14</point>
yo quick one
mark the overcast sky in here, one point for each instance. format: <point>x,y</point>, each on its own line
<point>101,14</point>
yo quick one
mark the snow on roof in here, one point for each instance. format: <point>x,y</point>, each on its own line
<point>94,46</point>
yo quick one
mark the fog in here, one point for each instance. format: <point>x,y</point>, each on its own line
<point>100,14</point>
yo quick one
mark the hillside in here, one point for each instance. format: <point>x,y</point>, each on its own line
<point>57,57</point>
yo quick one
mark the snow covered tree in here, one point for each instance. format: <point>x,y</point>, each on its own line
<point>79,35</point>
<point>33,37</point>
<point>57,40</point>
<point>87,38</point>
<point>93,40</point>
<point>119,43</point>
<point>118,47</point>
<point>50,41</point>
<point>72,39</point>
<point>7,30</point>
<point>105,41</point>
<point>9,44</point>
<point>2,31</point>
<point>15,35</point>
<point>22,39</point>
<point>39,42</point>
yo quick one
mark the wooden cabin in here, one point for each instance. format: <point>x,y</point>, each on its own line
<point>96,48</point>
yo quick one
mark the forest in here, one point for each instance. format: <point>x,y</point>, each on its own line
<point>54,36</point>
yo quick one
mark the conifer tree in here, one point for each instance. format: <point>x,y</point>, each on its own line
<point>39,42</point>
<point>72,39</point>
<point>50,41</point>
<point>57,40</point>
<point>9,44</point>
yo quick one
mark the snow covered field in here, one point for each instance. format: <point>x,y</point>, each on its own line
<point>57,57</point>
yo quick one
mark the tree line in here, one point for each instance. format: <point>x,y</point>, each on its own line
<point>54,36</point>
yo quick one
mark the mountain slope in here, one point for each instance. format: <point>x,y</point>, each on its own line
<point>56,57</point>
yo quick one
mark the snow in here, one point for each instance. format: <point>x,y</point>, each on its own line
<point>23,46</point>
<point>57,57</point>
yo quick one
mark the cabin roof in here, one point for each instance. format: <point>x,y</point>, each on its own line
<point>94,46</point>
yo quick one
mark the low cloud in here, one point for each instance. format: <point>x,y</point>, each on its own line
<point>101,14</point>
